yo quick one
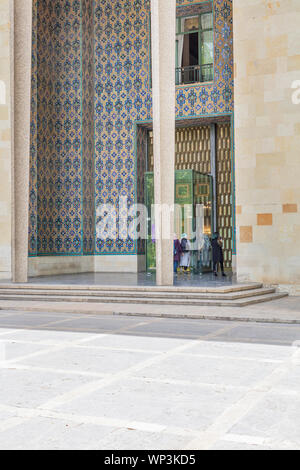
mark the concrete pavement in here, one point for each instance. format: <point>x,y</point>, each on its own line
<point>89,382</point>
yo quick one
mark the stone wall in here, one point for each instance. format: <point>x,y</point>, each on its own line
<point>267,140</point>
<point>5,132</point>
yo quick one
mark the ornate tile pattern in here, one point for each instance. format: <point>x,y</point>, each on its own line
<point>88,173</point>
<point>77,142</point>
<point>33,208</point>
<point>122,39</point>
<point>59,127</point>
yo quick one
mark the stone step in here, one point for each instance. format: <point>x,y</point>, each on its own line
<point>11,293</point>
<point>116,289</point>
<point>241,302</point>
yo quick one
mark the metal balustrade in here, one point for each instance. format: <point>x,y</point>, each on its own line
<point>194,74</point>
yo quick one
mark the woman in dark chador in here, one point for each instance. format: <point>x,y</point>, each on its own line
<point>217,253</point>
<point>177,252</point>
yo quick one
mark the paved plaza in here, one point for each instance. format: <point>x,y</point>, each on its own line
<point>78,381</point>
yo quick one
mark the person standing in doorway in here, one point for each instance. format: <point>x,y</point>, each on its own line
<point>177,253</point>
<point>185,260</point>
<point>217,253</point>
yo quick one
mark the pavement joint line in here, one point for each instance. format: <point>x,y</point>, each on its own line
<point>271,341</point>
<point>131,333</point>
<point>10,423</point>
<point>261,441</point>
<point>69,344</point>
<point>58,322</point>
<point>65,372</point>
<point>144,323</point>
<point>239,358</point>
<point>234,413</point>
<point>5,333</point>
<point>50,350</point>
<point>285,392</point>
<point>183,336</point>
<point>216,387</point>
<point>218,332</point>
<point>81,346</point>
<point>77,330</point>
<point>25,414</point>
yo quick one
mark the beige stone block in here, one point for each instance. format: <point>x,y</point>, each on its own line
<point>261,208</point>
<point>5,135</point>
<point>245,219</point>
<point>255,196</point>
<point>276,46</point>
<point>268,237</point>
<point>265,145</point>
<point>264,219</point>
<point>293,63</point>
<point>4,209</point>
<point>270,159</point>
<point>289,195</point>
<point>267,176</point>
<point>263,121</point>
<point>297,128</point>
<point>262,66</point>
<point>289,208</point>
<point>4,113</point>
<point>246,234</point>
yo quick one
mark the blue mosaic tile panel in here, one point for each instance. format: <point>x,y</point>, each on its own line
<point>122,96</point>
<point>88,173</point>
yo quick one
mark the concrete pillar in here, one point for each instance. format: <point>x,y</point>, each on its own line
<point>163,32</point>
<point>21,21</point>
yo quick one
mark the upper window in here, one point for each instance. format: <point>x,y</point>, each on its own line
<point>194,49</point>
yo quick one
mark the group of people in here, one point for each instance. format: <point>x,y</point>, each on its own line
<point>182,253</point>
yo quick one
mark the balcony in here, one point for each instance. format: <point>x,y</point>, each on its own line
<point>194,74</point>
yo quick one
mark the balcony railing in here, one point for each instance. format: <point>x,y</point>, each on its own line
<point>194,74</point>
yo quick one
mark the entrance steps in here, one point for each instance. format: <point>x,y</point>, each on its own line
<point>227,296</point>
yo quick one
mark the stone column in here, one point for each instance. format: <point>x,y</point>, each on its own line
<point>163,31</point>
<point>21,24</point>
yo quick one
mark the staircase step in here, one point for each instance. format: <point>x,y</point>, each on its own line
<point>117,289</point>
<point>90,295</point>
<point>239,302</point>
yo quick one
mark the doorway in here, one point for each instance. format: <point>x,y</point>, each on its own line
<point>207,150</point>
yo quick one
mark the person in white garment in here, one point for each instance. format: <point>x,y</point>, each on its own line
<point>185,259</point>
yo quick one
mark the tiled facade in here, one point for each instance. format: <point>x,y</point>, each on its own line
<point>87,109</point>
<point>90,97</point>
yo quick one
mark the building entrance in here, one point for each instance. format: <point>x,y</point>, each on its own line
<point>193,217</point>
<point>201,152</point>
